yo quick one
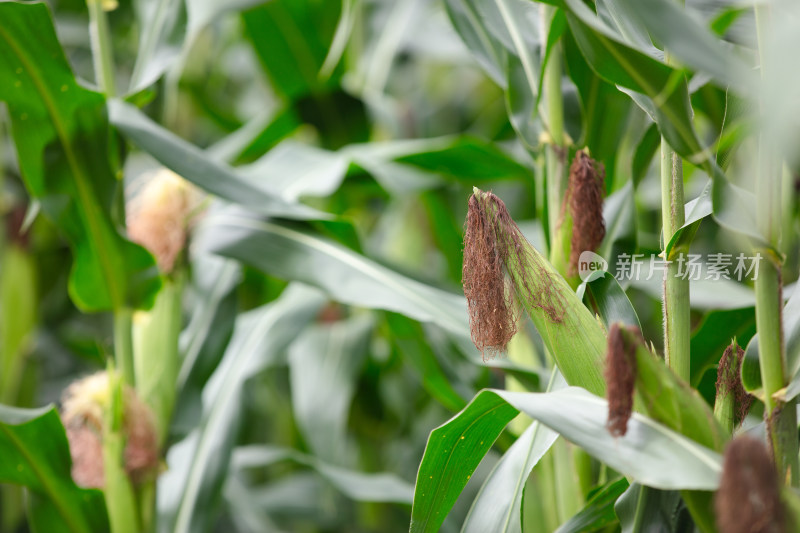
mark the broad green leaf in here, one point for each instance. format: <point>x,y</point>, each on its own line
<point>347,20</point>
<point>359,486</point>
<point>324,364</point>
<point>36,455</point>
<point>695,211</point>
<point>293,252</point>
<point>649,452</point>
<point>192,164</point>
<point>201,13</point>
<point>678,29</point>
<point>598,512</point>
<point>292,38</point>
<point>469,21</point>
<point>61,133</point>
<point>604,109</point>
<point>497,506</point>
<point>292,170</point>
<point>198,464</point>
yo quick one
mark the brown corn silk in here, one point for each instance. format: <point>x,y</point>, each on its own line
<point>620,377</point>
<point>585,200</point>
<point>494,247</point>
<point>729,380</point>
<point>748,499</point>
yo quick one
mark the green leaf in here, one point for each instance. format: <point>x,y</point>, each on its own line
<point>604,295</point>
<point>359,486</point>
<point>497,506</point>
<point>598,513</point>
<point>714,334</point>
<point>162,26</point>
<point>641,507</point>
<point>409,339</point>
<point>61,133</point>
<point>677,29</point>
<point>36,455</point>
<point>324,364</point>
<point>192,164</point>
<point>198,464</point>
<point>292,38</point>
<point>503,36</point>
<point>649,452</point>
<point>290,251</point>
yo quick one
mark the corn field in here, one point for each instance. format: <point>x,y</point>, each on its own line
<point>487,266</point>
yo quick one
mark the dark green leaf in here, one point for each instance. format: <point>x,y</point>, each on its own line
<point>61,133</point>
<point>36,455</point>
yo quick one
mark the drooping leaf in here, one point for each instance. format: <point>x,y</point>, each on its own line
<point>360,486</point>
<point>61,133</point>
<point>36,455</point>
<point>294,252</point>
<point>649,452</point>
<point>192,164</point>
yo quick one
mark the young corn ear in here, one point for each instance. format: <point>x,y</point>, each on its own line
<point>732,401</point>
<point>84,413</point>
<point>158,217</point>
<point>749,499</point>
<point>495,251</point>
<point>585,199</point>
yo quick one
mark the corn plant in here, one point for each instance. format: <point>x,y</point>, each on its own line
<point>391,265</point>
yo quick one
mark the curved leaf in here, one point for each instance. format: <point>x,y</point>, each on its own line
<point>649,452</point>
<point>497,506</point>
<point>293,252</point>
<point>360,486</point>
